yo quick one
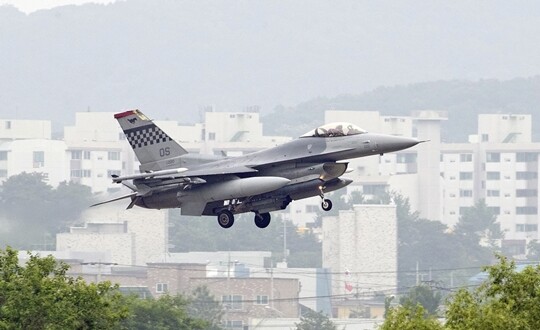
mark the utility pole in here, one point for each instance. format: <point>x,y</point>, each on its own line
<point>284,241</point>
<point>272,283</point>
<point>99,264</point>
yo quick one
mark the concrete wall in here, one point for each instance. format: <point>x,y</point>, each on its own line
<point>362,243</point>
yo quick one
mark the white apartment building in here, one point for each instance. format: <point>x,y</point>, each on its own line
<point>94,148</point>
<point>17,129</point>
<point>26,146</point>
<point>128,237</point>
<point>500,164</point>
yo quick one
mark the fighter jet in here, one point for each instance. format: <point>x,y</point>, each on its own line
<point>259,182</point>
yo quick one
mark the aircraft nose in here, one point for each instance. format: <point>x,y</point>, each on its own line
<point>391,143</point>
<point>405,142</point>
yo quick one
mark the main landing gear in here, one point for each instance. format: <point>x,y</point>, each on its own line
<point>225,219</point>
<point>262,220</point>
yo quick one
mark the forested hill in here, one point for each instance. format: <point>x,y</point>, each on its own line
<point>463,100</point>
<point>172,58</point>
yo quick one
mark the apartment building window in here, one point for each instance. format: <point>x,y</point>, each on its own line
<point>465,193</point>
<point>261,300</point>
<point>86,154</point>
<point>493,157</point>
<point>513,247</point>
<point>465,158</point>
<point>526,210</point>
<point>493,193</point>
<point>76,154</point>
<point>39,159</point>
<point>75,173</point>
<point>211,136</point>
<point>312,208</point>
<point>526,175</point>
<point>8,124</point>
<point>493,175</point>
<point>3,155</point>
<point>485,137</point>
<point>374,189</point>
<point>234,325</point>
<point>406,158</point>
<point>465,175</point>
<point>494,210</point>
<point>521,227</point>
<point>113,155</point>
<point>526,192</point>
<point>3,173</point>
<point>524,157</point>
<point>86,173</point>
<point>162,287</point>
<point>232,301</point>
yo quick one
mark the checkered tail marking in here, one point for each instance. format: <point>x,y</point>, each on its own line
<point>145,136</point>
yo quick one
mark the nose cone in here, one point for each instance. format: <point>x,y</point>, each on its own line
<point>389,143</point>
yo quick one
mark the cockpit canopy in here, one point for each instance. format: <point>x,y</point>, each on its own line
<point>335,129</point>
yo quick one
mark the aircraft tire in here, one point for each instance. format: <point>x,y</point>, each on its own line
<point>262,220</point>
<point>326,204</point>
<point>225,219</point>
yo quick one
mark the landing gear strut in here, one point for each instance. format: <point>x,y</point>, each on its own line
<point>262,220</point>
<point>326,203</point>
<point>225,219</point>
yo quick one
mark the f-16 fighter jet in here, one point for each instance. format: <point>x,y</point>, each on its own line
<point>260,182</point>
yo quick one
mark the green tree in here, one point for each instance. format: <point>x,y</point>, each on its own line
<point>432,245</point>
<point>508,299</point>
<point>315,321</point>
<point>32,209</point>
<point>204,306</point>
<point>39,295</point>
<point>167,312</point>
<point>204,234</point>
<point>478,222</point>
<point>425,296</point>
<point>533,250</point>
<point>423,242</point>
<point>411,317</point>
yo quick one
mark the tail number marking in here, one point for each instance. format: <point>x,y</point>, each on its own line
<point>164,152</point>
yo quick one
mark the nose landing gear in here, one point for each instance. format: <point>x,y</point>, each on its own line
<point>326,204</point>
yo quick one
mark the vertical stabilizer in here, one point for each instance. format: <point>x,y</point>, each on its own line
<point>153,147</point>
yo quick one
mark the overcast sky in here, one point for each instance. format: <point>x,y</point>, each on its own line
<point>29,6</point>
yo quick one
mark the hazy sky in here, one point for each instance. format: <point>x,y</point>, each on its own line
<point>29,6</point>
<point>170,58</point>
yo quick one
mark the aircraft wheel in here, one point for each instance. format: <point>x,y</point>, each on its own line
<point>326,204</point>
<point>225,219</point>
<point>262,220</point>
